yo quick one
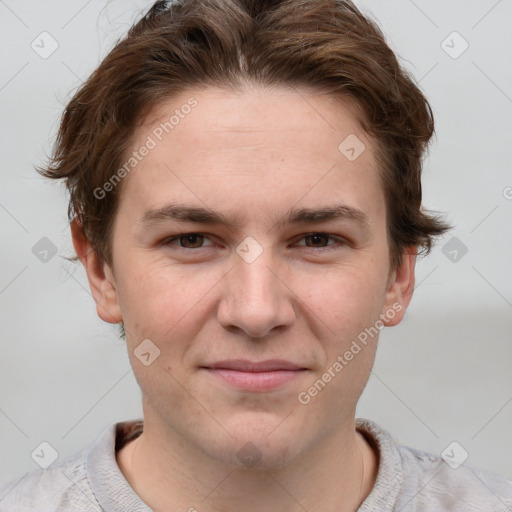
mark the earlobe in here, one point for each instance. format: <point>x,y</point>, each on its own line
<point>99,275</point>
<point>400,289</point>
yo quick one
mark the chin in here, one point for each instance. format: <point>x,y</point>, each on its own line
<point>256,444</point>
<point>247,455</point>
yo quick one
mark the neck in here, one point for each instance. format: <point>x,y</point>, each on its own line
<point>169,474</point>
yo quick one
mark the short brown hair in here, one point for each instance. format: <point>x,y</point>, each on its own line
<point>327,45</point>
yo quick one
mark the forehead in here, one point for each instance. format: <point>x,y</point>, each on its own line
<point>252,113</point>
<point>258,144</point>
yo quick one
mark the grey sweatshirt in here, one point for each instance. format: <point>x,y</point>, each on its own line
<point>408,480</point>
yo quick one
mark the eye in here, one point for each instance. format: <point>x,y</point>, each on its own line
<point>320,238</point>
<point>191,240</point>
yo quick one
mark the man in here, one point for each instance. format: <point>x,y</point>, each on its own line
<point>246,201</point>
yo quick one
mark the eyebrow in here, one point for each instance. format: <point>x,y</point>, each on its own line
<point>185,213</point>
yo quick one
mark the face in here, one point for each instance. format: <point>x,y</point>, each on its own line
<point>254,305</point>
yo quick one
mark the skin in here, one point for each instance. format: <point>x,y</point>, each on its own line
<point>252,156</point>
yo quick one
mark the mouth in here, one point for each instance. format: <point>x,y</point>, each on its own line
<point>255,376</point>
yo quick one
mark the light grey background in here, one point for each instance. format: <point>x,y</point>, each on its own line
<point>443,375</point>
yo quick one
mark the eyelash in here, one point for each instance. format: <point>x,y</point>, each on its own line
<point>340,241</point>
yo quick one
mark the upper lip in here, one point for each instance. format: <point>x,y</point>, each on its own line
<point>243,365</point>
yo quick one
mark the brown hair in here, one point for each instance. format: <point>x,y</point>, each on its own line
<point>327,45</point>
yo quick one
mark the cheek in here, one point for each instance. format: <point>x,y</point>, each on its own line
<point>160,299</point>
<point>350,305</point>
<point>165,302</point>
<point>347,297</point>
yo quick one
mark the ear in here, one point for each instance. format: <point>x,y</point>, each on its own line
<point>100,276</point>
<point>400,289</point>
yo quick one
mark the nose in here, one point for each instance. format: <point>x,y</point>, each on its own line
<point>256,298</point>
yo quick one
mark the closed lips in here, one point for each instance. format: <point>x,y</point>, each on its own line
<point>254,367</point>
<point>255,376</point>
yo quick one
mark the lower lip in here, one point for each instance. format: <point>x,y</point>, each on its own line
<point>256,381</point>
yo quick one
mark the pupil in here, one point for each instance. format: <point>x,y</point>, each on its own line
<point>190,238</point>
<point>316,238</point>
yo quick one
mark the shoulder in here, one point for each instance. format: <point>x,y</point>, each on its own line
<point>89,480</point>
<point>63,484</point>
<point>431,483</point>
<point>412,480</point>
